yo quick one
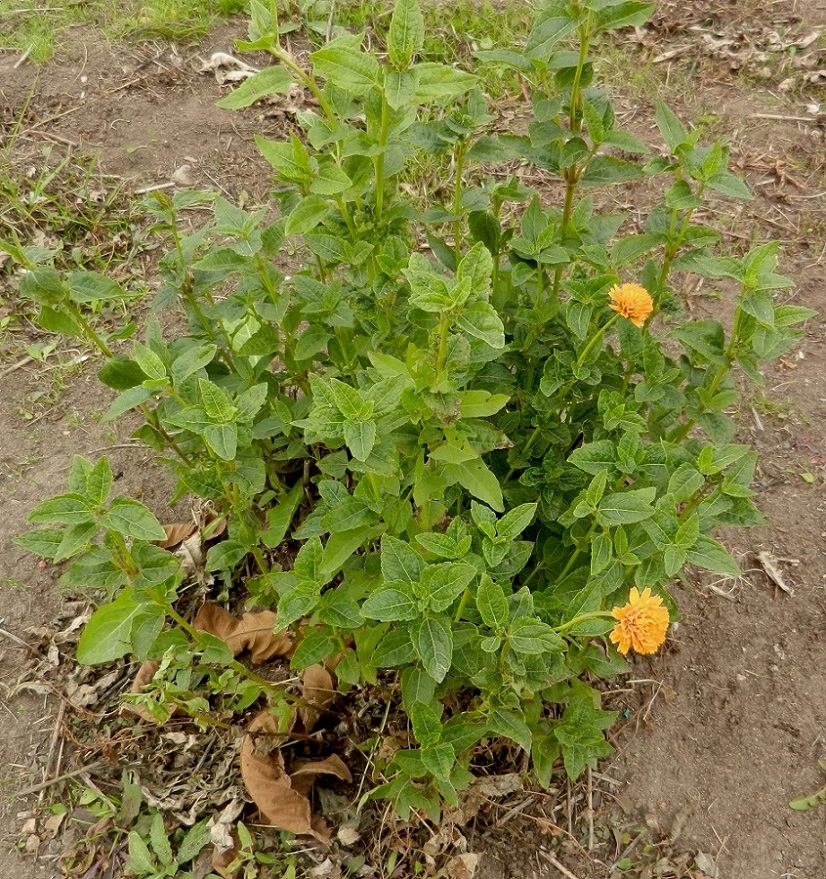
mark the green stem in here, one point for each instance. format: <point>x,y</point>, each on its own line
<point>591,615</point>
<point>576,553</point>
<point>528,446</point>
<point>444,331</point>
<point>597,337</point>
<point>306,80</point>
<point>457,202</point>
<point>379,160</point>
<point>90,331</point>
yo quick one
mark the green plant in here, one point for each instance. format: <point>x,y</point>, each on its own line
<point>468,457</point>
<point>152,856</point>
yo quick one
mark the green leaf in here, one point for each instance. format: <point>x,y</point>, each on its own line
<point>631,13</point>
<point>444,583</point>
<point>400,87</point>
<point>360,438</point>
<point>196,839</point>
<point>433,640</point>
<point>65,509</point>
<point>626,507</point>
<point>399,561</point>
<point>481,321</point>
<point>149,362</point>
<point>93,287</point>
<point>280,517</point>
<point>159,839</point>
<point>607,169</point>
<point>129,399</point>
<point>427,728</point>
<point>709,554</point>
<point>43,285</point>
<point>194,359</point>
<point>342,546</point>
<point>595,457</point>
<point>492,604</point>
<point>479,481</point>
<point>673,131</point>
<point>216,403</point>
<point>406,35</point>
<point>222,439</point>
<point>439,81</point>
<point>392,602</point>
<point>306,215</point>
<point>140,859</point>
<point>394,649</point>
<point>511,725</point>
<point>351,513</point>
<point>316,646</point>
<point>515,521</point>
<point>56,321</point>
<point>347,67</point>
<point>121,373</point>
<point>685,482</point>
<point>269,81</point>
<point>533,637</point>
<point>729,184</point>
<point>481,404</point>
<point>329,179</point>
<point>291,160</point>
<point>224,556</point>
<point>439,759</point>
<point>549,29</point>
<point>132,519</point>
<point>75,538</point>
<point>42,542</point>
<point>108,634</point>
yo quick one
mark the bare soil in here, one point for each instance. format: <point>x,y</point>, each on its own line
<point>722,729</point>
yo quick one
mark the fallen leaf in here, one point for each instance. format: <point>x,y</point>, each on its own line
<point>176,533</point>
<point>282,798</point>
<point>317,690</point>
<point>253,632</point>
<point>462,866</point>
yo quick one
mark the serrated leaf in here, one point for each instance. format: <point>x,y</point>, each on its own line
<point>627,507</point>
<point>392,602</point>
<point>132,519</point>
<point>508,723</point>
<point>406,35</point>
<point>433,640</point>
<point>399,561</point>
<point>492,603</point>
<point>108,634</point>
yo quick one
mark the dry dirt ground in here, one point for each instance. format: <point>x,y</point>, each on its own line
<point>725,727</point>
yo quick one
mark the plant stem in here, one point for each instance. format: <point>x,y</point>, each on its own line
<point>457,201</point>
<point>591,615</point>
<point>379,160</point>
<point>90,331</point>
<point>444,330</point>
<point>598,335</point>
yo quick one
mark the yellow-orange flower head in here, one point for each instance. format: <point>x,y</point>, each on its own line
<point>642,624</point>
<point>633,302</point>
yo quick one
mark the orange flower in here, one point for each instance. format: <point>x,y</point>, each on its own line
<point>642,624</point>
<point>633,302</point>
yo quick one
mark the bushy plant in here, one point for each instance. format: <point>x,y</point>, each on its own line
<point>483,429</point>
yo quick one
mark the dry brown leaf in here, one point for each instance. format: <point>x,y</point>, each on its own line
<point>177,532</point>
<point>282,798</point>
<point>317,690</point>
<point>253,632</point>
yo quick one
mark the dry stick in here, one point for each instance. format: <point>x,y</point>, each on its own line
<point>780,118</point>
<point>19,641</point>
<point>589,812</point>
<point>47,769</point>
<point>19,365</point>
<point>66,775</point>
<point>555,863</point>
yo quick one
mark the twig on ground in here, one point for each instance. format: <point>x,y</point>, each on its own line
<point>57,779</point>
<point>23,57</point>
<point>145,189</point>
<point>19,641</point>
<point>589,811</point>
<point>15,366</point>
<point>627,850</point>
<point>560,867</point>
<point>56,736</point>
